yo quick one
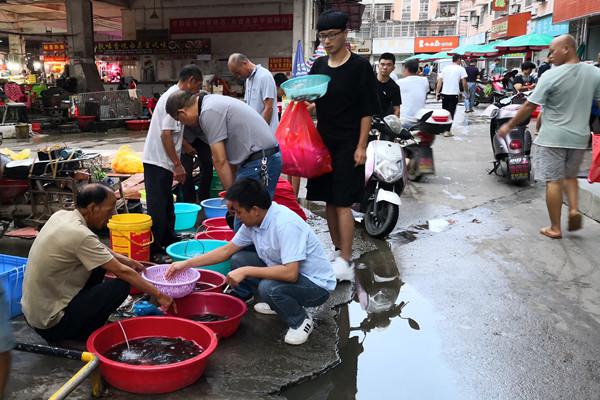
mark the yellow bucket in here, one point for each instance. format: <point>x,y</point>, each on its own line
<point>131,236</point>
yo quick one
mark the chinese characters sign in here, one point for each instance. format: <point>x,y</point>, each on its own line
<point>56,51</point>
<point>280,64</point>
<point>566,10</point>
<point>139,47</point>
<point>510,26</point>
<point>254,23</point>
<point>435,44</point>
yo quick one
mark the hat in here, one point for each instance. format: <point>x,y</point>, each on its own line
<point>332,19</point>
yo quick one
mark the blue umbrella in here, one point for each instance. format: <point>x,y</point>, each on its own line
<point>299,67</point>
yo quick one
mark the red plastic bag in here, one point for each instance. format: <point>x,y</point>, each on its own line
<point>594,175</point>
<point>302,149</point>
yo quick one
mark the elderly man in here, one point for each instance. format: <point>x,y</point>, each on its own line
<point>241,142</point>
<point>261,91</point>
<point>162,162</point>
<point>64,296</point>
<point>566,93</point>
<point>288,270</point>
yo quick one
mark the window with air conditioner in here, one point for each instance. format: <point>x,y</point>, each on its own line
<point>423,9</point>
<point>447,9</point>
<point>406,11</point>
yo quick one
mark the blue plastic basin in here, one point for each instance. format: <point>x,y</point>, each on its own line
<point>214,208</point>
<point>187,249</point>
<point>308,87</point>
<point>186,215</point>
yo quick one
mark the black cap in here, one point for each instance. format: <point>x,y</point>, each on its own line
<point>332,19</point>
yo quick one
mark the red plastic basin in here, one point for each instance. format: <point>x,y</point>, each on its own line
<point>138,124</point>
<point>216,234</point>
<point>213,303</point>
<point>152,379</point>
<point>84,120</point>
<point>215,223</point>
<point>133,290</point>
<point>10,189</point>
<point>214,278</point>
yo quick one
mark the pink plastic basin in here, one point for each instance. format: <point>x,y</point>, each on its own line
<point>213,303</point>
<point>214,278</point>
<point>152,379</point>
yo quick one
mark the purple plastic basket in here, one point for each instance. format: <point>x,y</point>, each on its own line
<point>180,285</point>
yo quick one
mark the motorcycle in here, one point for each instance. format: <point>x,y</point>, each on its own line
<point>512,153</point>
<point>420,154</point>
<point>385,173</point>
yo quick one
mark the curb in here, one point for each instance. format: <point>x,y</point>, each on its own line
<point>589,199</point>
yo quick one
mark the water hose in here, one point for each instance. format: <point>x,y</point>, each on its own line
<point>90,368</point>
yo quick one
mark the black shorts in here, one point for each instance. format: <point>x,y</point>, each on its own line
<point>345,185</point>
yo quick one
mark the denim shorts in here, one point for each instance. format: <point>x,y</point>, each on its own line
<point>7,340</point>
<point>556,163</point>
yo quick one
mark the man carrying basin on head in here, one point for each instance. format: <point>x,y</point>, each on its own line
<point>64,296</point>
<point>289,269</point>
<point>241,142</point>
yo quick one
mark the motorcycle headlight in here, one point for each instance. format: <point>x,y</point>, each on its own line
<point>388,171</point>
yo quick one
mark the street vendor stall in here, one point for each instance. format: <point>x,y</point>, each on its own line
<point>526,43</point>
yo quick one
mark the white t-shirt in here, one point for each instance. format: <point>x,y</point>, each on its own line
<point>413,90</point>
<point>451,76</point>
<point>154,151</point>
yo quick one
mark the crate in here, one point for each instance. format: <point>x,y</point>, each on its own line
<point>12,270</point>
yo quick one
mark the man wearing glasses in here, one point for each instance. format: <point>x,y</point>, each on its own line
<point>344,120</point>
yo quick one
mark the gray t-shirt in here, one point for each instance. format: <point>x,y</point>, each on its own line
<point>259,87</point>
<point>229,120</point>
<point>566,94</point>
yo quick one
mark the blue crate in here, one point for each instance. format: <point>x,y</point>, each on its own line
<point>12,270</point>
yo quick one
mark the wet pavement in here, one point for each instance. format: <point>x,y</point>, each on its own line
<point>502,312</point>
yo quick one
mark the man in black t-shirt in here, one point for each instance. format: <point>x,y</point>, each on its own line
<point>525,81</point>
<point>387,89</point>
<point>472,75</point>
<point>344,121</point>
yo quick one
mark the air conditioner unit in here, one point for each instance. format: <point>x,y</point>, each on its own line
<point>515,8</point>
<point>475,20</point>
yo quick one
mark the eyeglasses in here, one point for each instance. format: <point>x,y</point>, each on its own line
<point>330,36</point>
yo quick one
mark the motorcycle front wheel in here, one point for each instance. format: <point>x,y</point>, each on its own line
<point>379,224</point>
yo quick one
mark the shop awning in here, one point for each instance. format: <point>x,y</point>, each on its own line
<point>436,56</point>
<point>461,50</point>
<point>530,42</point>
<point>415,57</point>
<point>485,50</point>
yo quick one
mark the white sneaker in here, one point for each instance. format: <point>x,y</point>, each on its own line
<point>264,308</point>
<point>299,335</point>
<point>344,270</point>
<point>448,134</point>
<point>334,254</point>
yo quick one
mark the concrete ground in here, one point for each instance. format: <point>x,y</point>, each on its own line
<point>503,312</point>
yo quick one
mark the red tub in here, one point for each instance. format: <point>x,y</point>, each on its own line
<point>215,223</point>
<point>213,303</point>
<point>212,277</point>
<point>138,124</point>
<point>84,121</point>
<point>156,378</point>
<point>216,234</point>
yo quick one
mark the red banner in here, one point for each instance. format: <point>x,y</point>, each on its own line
<point>566,10</point>
<point>510,26</point>
<point>280,64</point>
<point>435,44</point>
<point>253,23</point>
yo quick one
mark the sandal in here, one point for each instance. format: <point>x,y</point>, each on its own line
<point>575,222</point>
<point>546,232</point>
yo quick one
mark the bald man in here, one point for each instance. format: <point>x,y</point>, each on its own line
<point>261,91</point>
<point>565,92</point>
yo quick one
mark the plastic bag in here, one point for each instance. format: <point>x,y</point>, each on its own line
<point>302,149</point>
<point>127,161</point>
<point>594,175</point>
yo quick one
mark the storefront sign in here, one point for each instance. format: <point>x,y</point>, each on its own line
<point>435,44</point>
<point>139,47</point>
<point>54,52</point>
<point>499,5</point>
<point>280,64</point>
<point>254,23</point>
<point>545,26</point>
<point>360,46</point>
<point>394,46</point>
<point>475,39</point>
<point>566,10</point>
<point>510,26</point>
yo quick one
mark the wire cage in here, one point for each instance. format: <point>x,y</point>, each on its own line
<point>109,105</point>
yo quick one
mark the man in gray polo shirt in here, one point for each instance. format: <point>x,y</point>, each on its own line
<point>241,142</point>
<point>261,91</point>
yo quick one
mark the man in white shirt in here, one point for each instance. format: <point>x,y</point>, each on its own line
<point>449,85</point>
<point>162,163</point>
<point>413,89</point>
<point>261,91</point>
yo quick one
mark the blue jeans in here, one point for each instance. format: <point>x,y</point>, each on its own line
<point>470,99</point>
<point>286,298</point>
<point>251,170</point>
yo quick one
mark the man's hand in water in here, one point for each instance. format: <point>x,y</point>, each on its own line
<point>165,302</point>
<point>174,268</point>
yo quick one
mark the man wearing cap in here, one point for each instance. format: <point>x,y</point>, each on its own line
<point>241,142</point>
<point>344,114</point>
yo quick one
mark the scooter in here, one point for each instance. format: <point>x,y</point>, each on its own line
<point>512,152</point>
<point>385,173</point>
<point>420,153</point>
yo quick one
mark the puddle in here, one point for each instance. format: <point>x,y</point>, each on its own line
<point>403,237</point>
<point>388,342</point>
<point>453,196</point>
